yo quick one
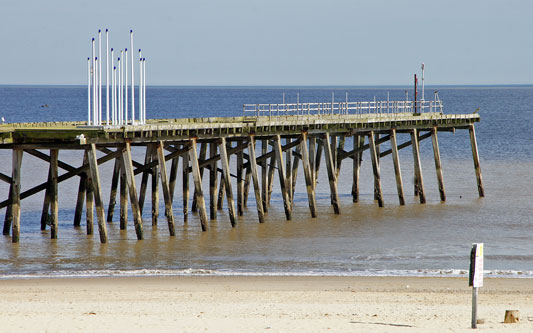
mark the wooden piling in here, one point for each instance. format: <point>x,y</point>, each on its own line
<point>213,182</point>
<point>81,199</point>
<point>123,199</point>
<point>419,182</point>
<point>185,186</point>
<point>224,158</point>
<point>155,186</point>
<point>247,183</point>
<point>312,153</point>
<point>288,170</point>
<point>342,141</point>
<point>89,198</point>
<point>397,169</point>
<point>255,178</point>
<point>271,169</point>
<point>318,157</point>
<point>203,153</point>
<point>240,184</point>
<point>193,156</point>
<point>8,220</point>
<point>221,191</point>
<point>264,175</point>
<point>97,192</point>
<point>113,191</point>
<point>295,165</point>
<point>308,175</point>
<point>375,167</point>
<point>15,194</point>
<point>45,215</point>
<point>144,180</point>
<point>173,176</point>
<point>438,167</point>
<point>327,144</point>
<point>166,190</point>
<point>358,142</point>
<point>282,181</point>
<point>475,156</point>
<point>378,151</point>
<point>127,171</point>
<point>54,209</point>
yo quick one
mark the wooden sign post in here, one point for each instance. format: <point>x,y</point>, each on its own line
<point>476,277</point>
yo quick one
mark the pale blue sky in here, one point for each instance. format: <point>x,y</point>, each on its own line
<point>275,42</point>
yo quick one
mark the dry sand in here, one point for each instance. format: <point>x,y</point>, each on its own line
<point>268,304</point>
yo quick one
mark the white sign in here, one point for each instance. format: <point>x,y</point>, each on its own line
<point>477,254</point>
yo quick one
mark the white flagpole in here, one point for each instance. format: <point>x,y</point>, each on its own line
<point>113,76</point>
<point>119,101</point>
<point>132,81</point>
<point>113,95</point>
<point>93,74</point>
<point>88,91</point>
<point>99,77</point>
<point>140,90</point>
<point>96,63</point>
<point>107,74</point>
<point>144,90</point>
<point>126,83</point>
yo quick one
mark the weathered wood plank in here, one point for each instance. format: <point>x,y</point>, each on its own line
<point>257,188</point>
<point>127,171</point>
<point>397,169</point>
<point>326,144</point>
<point>166,190</point>
<point>308,175</point>
<point>227,180</point>
<point>282,181</point>
<point>113,192</point>
<point>419,181</point>
<point>155,186</point>
<point>375,167</point>
<point>193,155</point>
<point>185,185</point>
<point>15,194</point>
<point>475,156</point>
<point>97,192</point>
<point>213,182</point>
<point>54,209</point>
<point>438,166</point>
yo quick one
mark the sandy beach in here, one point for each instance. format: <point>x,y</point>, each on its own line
<point>250,304</point>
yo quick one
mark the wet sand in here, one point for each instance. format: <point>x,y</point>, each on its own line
<point>251,304</point>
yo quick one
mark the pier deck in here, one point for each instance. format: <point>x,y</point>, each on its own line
<point>301,138</point>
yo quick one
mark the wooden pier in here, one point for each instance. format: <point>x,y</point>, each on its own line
<point>205,146</point>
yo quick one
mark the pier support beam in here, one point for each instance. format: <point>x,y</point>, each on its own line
<point>144,180</point>
<point>193,155</point>
<point>438,167</point>
<point>97,191</point>
<point>257,189</point>
<point>185,186</point>
<point>81,199</point>
<point>264,175</point>
<point>326,143</point>
<point>9,213</point>
<point>213,182</point>
<point>308,175</point>
<point>358,142</point>
<point>240,183</point>
<point>123,199</point>
<point>282,180</point>
<point>127,171</point>
<point>15,194</point>
<point>288,170</point>
<point>376,138</point>
<point>89,198</point>
<point>375,167</point>
<point>203,153</point>
<point>166,190</point>
<point>173,176</point>
<point>227,180</point>
<point>295,164</point>
<point>397,169</point>
<point>53,193</point>
<point>312,153</point>
<point>475,156</point>
<point>419,181</point>
<point>271,169</point>
<point>113,191</point>
<point>155,186</point>
<point>45,214</point>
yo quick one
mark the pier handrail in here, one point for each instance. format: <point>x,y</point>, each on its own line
<point>340,108</point>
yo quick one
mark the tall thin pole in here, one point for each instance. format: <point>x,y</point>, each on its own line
<point>99,77</point>
<point>88,91</point>
<point>96,63</point>
<point>132,81</point>
<point>94,86</point>
<point>126,83</point>
<point>144,90</point>
<point>107,74</point>
<point>422,88</point>
<point>119,92</point>
<point>140,89</point>
<point>113,108</point>
<point>114,77</point>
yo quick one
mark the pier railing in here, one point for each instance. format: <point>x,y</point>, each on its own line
<point>331,108</point>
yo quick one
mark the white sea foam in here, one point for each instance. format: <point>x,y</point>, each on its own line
<point>208,272</point>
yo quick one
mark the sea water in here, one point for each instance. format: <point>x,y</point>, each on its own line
<point>433,239</point>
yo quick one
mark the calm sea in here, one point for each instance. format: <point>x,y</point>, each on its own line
<point>430,239</point>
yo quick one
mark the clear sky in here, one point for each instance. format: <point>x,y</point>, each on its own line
<point>274,42</point>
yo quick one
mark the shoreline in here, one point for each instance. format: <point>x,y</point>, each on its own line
<point>259,303</point>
